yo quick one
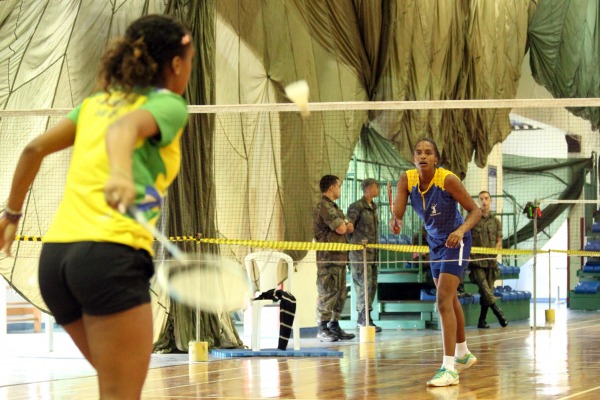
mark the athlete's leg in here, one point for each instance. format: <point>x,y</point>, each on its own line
<point>120,345</point>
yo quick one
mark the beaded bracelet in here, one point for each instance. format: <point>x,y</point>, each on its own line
<point>12,216</point>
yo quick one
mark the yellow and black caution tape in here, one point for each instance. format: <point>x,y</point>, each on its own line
<point>308,246</point>
<point>582,253</point>
<point>274,244</point>
<point>29,238</point>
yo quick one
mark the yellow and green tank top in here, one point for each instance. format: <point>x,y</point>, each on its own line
<point>83,214</point>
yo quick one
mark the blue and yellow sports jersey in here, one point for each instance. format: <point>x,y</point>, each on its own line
<point>436,207</point>
<point>83,214</point>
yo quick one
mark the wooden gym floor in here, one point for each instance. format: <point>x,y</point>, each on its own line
<point>514,363</point>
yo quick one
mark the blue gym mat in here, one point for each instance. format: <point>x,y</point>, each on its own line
<point>308,352</point>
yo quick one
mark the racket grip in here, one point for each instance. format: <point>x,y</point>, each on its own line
<point>460,253</point>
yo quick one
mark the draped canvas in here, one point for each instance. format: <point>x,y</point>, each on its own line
<point>564,36</point>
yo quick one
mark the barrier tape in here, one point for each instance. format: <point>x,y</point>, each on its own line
<point>308,246</point>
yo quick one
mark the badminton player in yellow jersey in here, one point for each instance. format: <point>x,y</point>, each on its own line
<point>434,195</point>
<point>96,263</point>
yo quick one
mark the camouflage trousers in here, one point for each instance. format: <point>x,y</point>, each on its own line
<point>484,278</point>
<point>332,292</point>
<point>358,277</point>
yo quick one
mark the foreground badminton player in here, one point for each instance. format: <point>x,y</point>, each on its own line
<point>434,195</point>
<point>96,262</point>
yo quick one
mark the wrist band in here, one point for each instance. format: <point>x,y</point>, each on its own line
<point>12,216</point>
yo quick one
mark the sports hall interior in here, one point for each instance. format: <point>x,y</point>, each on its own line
<point>508,90</point>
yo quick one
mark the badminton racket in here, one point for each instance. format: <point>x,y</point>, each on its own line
<point>391,200</point>
<point>298,93</point>
<point>204,281</point>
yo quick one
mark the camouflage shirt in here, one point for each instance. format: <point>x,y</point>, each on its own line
<point>485,234</point>
<point>366,227</point>
<point>327,217</point>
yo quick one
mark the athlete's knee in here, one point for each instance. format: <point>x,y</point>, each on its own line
<point>445,299</point>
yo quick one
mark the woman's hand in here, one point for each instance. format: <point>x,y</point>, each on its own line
<point>395,225</point>
<point>119,191</point>
<point>455,238</point>
<point>8,231</point>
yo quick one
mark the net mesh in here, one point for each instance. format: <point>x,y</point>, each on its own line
<point>267,162</point>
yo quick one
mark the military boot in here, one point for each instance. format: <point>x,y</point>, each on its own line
<point>324,334</point>
<point>361,321</point>
<point>499,314</point>
<point>482,323</point>
<point>334,328</point>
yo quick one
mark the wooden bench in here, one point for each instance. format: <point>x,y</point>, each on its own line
<point>24,312</point>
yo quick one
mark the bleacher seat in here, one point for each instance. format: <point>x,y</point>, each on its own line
<point>427,294</point>
<point>503,293</point>
<point>405,239</point>
<point>591,268</point>
<point>596,227</point>
<point>589,287</point>
<point>593,245</point>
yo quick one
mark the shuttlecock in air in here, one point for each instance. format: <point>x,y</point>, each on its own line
<point>298,93</point>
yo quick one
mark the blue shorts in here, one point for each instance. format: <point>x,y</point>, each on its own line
<point>93,278</point>
<point>445,259</point>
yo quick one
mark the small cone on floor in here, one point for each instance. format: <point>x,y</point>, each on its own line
<point>367,334</point>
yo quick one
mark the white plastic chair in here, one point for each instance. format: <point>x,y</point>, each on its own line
<point>267,262</point>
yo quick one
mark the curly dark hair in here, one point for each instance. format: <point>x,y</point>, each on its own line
<point>141,57</point>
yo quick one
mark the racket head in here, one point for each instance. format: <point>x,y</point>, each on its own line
<point>206,282</point>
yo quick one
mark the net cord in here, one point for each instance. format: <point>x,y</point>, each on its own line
<point>353,106</point>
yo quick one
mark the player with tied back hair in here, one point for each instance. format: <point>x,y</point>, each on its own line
<point>434,194</point>
<point>96,262</point>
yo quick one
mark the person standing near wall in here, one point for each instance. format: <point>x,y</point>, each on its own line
<point>484,267</point>
<point>363,215</point>
<point>331,226</point>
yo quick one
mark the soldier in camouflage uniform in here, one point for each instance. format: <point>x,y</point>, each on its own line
<point>363,215</point>
<point>331,226</point>
<point>484,267</point>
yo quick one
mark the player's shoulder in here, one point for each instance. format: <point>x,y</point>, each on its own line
<point>412,177</point>
<point>446,175</point>
<point>166,95</point>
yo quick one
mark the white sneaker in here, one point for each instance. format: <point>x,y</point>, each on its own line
<point>467,361</point>
<point>443,377</point>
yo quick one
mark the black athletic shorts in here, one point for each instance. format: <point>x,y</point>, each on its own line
<point>93,278</point>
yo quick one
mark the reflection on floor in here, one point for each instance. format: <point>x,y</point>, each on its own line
<point>516,362</point>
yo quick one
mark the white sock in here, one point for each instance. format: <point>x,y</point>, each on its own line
<point>461,349</point>
<point>448,363</point>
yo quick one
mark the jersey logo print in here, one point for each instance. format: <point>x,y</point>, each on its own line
<point>434,211</point>
<point>151,200</point>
